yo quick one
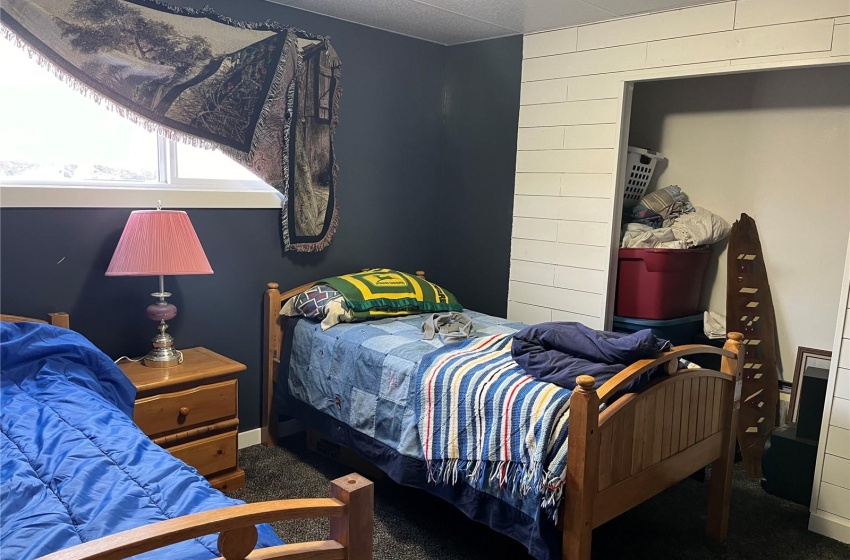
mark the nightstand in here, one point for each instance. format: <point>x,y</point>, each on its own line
<point>192,411</point>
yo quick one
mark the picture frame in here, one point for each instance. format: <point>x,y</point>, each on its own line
<point>806,357</point>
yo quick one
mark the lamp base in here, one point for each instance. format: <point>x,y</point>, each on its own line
<point>163,354</point>
<point>162,358</point>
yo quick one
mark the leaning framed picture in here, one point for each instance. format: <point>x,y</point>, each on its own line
<point>806,358</point>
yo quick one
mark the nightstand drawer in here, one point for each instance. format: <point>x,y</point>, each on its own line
<point>169,412</point>
<point>209,455</point>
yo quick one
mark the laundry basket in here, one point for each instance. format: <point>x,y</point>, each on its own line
<point>640,166</point>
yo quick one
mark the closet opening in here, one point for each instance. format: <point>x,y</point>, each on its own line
<point>775,145</point>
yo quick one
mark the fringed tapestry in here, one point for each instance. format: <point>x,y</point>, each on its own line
<point>265,94</point>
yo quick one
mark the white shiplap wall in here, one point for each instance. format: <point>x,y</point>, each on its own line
<point>830,508</point>
<point>570,123</point>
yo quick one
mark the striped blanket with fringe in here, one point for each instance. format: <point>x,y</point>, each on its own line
<point>483,419</point>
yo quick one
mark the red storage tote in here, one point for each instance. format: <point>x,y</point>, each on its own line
<point>660,283</point>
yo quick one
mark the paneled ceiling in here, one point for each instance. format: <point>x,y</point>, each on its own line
<point>450,22</point>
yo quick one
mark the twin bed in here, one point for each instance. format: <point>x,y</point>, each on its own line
<point>80,480</point>
<point>374,388</point>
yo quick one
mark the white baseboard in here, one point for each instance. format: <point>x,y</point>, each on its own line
<point>251,437</point>
<point>830,526</point>
<point>255,436</point>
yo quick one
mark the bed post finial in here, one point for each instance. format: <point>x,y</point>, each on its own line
<point>60,319</point>
<point>420,274</point>
<point>586,383</point>
<point>273,285</point>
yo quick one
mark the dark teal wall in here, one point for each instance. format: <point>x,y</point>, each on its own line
<point>409,173</point>
<point>481,110</point>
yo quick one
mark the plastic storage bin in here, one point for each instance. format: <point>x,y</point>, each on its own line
<point>660,283</point>
<point>678,331</point>
<point>640,165</point>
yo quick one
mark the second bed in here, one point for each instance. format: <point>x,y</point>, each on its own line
<point>379,389</point>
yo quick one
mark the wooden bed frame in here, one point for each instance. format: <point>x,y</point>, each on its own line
<point>349,508</point>
<point>639,446</point>
<point>59,319</point>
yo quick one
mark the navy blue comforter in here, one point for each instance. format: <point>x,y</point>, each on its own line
<point>559,352</point>
<point>74,466</point>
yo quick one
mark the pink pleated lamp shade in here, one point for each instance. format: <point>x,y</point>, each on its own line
<point>158,242</point>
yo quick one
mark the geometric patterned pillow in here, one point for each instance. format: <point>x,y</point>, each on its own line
<point>312,302</point>
<point>318,302</point>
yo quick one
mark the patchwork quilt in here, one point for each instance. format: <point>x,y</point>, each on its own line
<point>361,373</point>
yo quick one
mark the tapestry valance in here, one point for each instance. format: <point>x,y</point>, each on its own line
<point>265,94</point>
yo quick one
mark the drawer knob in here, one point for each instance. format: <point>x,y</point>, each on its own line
<point>184,411</point>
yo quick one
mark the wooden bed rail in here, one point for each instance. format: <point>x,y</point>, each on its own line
<point>59,319</point>
<point>350,509</point>
<point>669,360</point>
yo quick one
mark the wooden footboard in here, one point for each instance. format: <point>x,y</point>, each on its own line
<point>646,442</point>
<point>349,508</point>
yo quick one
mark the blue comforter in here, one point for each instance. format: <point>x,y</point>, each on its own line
<point>561,351</point>
<point>74,466</point>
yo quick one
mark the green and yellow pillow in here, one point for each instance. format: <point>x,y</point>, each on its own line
<point>382,292</point>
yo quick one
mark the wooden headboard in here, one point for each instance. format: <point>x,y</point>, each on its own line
<point>59,319</point>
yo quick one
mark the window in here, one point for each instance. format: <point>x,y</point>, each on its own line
<point>190,164</point>
<point>55,137</point>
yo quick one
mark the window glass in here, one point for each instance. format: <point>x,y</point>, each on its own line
<point>51,133</point>
<point>198,163</point>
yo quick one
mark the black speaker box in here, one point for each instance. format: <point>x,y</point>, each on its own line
<point>788,465</point>
<point>812,397</point>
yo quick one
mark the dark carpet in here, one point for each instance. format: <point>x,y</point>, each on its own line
<point>411,524</point>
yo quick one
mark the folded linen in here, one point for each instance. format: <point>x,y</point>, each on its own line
<point>639,236</point>
<point>696,228</point>
<point>714,325</point>
<point>700,227</point>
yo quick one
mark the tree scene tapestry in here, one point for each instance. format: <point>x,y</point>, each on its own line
<point>265,94</point>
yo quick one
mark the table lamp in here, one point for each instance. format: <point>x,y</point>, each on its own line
<point>159,243</point>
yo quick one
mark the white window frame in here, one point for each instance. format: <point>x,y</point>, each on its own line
<point>169,173</point>
<point>171,191</point>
